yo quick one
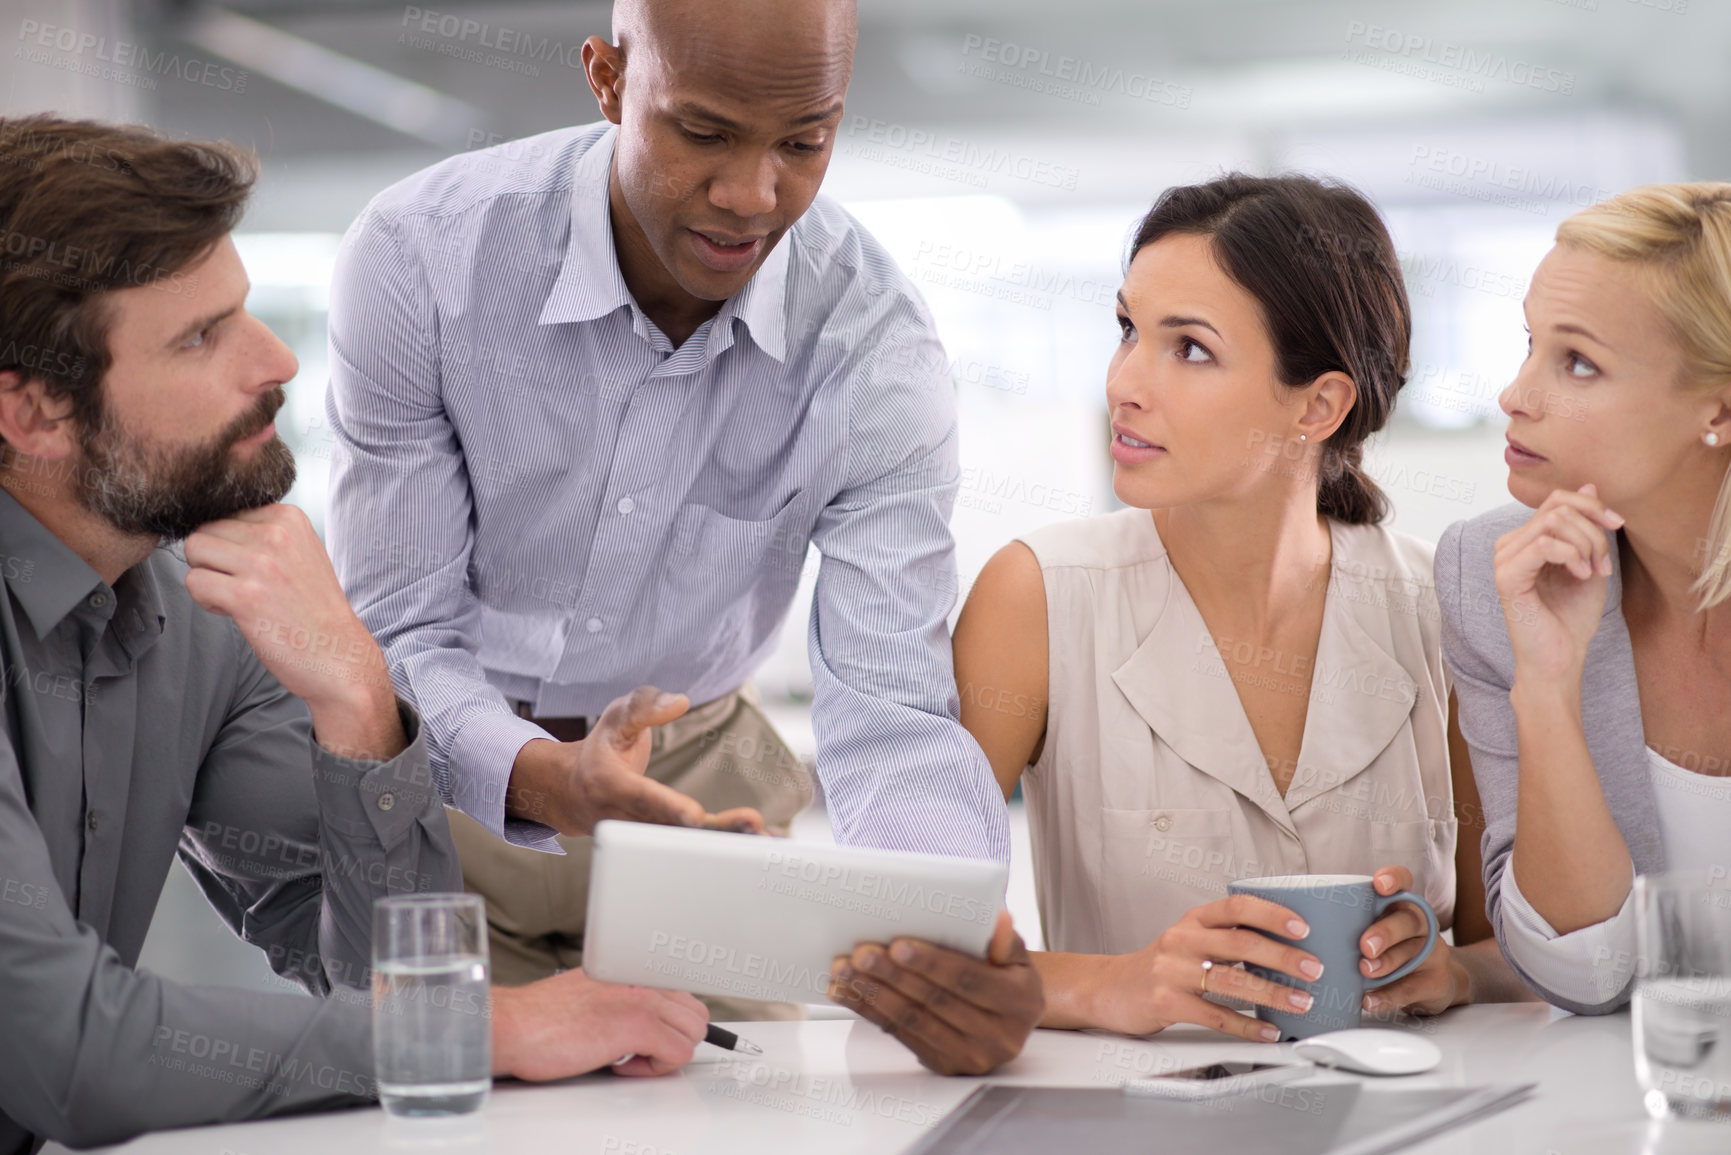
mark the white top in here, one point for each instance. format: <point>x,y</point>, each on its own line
<point>1151,793</point>
<point>1694,814</point>
<point>1594,963</point>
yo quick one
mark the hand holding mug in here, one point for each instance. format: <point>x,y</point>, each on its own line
<point>1341,910</point>
<point>1165,982</point>
<point>1439,982</point>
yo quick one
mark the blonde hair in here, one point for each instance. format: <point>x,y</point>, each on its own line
<point>1680,234</point>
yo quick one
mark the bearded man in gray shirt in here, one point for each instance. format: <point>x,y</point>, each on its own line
<point>229,704</point>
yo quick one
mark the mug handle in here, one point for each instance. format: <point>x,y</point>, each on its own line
<point>1432,931</point>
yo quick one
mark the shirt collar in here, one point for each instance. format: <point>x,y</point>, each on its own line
<point>762,304</point>
<point>1360,693</point>
<point>138,612</point>
<point>40,570</point>
<point>590,285</point>
<point>50,580</point>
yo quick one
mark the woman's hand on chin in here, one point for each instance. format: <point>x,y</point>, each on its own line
<point>1164,982</point>
<point>1551,578</point>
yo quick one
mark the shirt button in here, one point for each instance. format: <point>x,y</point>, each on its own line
<point>593,625</point>
<point>93,820</point>
<point>1164,822</point>
<point>387,800</point>
<point>626,505</point>
<point>97,601</point>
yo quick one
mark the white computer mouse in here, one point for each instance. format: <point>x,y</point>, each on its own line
<point>1370,1051</point>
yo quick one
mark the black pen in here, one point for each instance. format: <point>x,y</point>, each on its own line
<point>728,1041</point>
<point>718,1037</point>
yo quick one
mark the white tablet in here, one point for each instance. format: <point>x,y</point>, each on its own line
<point>754,917</point>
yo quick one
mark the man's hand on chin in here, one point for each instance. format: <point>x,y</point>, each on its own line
<point>267,569</point>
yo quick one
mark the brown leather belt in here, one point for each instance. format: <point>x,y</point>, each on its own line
<point>563,729</point>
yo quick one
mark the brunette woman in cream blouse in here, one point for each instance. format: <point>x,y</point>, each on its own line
<point>1241,674</point>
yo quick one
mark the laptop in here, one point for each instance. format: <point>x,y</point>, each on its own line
<point>754,917</point>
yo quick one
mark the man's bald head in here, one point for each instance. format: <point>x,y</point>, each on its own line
<point>772,44</point>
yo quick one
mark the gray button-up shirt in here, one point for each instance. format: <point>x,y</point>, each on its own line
<point>137,724</point>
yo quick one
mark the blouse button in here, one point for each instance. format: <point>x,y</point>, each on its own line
<point>1163,823</point>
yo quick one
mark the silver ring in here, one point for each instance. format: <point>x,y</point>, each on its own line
<point>1207,965</point>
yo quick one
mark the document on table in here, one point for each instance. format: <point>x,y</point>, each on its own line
<point>1289,1119</point>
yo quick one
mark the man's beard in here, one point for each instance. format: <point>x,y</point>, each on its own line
<point>142,488</point>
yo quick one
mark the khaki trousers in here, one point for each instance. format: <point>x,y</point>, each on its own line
<point>723,753</point>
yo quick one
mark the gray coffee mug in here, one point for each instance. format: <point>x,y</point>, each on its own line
<point>1339,908</point>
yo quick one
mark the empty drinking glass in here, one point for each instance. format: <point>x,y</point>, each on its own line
<point>432,1024</point>
<point>1682,1001</point>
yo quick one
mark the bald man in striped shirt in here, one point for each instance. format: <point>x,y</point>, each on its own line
<point>594,394</point>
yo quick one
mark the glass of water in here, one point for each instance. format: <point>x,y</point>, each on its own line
<point>1682,1002</point>
<point>432,1023</point>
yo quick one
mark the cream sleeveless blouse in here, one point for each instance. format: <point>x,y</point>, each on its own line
<point>1151,793</point>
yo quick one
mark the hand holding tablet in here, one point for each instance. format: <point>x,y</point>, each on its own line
<point>917,942</point>
<point>958,1014</point>
<point>763,918</point>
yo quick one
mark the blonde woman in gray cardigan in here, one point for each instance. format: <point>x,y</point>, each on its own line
<point>1588,629</point>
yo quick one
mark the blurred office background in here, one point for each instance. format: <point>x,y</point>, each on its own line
<point>1003,150</point>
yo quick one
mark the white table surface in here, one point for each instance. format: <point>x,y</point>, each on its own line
<point>835,1087</point>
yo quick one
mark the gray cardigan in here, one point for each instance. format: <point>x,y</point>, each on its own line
<point>1475,641</point>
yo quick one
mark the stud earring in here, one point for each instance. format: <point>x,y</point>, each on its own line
<point>1303,437</point>
<point>1711,438</point>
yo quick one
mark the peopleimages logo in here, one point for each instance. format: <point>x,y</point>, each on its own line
<point>1459,62</point>
<point>48,362</point>
<point>952,157</point>
<point>874,886</point>
<point>114,59</point>
<point>1425,271</point>
<point>90,268</point>
<point>985,270</point>
<point>829,1100</point>
<point>1493,174</point>
<point>983,489</point>
<point>460,32</point>
<point>1067,77</point>
<point>749,975</point>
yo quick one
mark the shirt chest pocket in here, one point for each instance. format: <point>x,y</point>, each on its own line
<point>1155,865</point>
<point>714,554</point>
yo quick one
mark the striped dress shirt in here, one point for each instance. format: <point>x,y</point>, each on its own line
<point>536,496</point>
